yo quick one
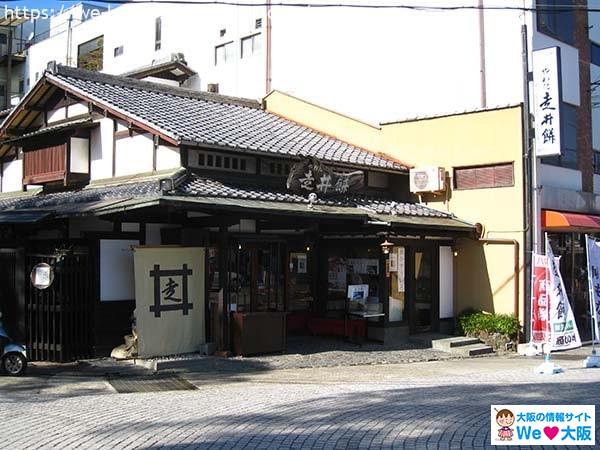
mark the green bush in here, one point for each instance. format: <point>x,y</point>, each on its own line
<point>473,324</point>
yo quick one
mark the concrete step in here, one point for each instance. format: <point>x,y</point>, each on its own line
<point>472,350</point>
<point>447,344</point>
<point>426,339</point>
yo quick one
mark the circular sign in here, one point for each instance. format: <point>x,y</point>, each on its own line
<point>42,276</point>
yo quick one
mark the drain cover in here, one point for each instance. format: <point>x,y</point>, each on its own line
<point>154,384</point>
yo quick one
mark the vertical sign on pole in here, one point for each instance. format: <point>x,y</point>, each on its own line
<point>547,99</point>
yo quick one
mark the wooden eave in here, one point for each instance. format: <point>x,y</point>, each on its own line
<point>26,113</point>
<point>115,113</point>
<point>20,120</point>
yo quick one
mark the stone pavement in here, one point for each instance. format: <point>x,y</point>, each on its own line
<point>441,404</point>
<point>310,352</point>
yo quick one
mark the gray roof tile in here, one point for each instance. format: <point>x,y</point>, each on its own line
<point>209,119</point>
<point>198,186</point>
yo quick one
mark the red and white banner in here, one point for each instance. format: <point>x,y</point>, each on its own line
<point>552,320</point>
<point>540,325</point>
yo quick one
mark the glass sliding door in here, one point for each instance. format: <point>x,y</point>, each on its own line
<point>424,307</point>
<point>256,277</point>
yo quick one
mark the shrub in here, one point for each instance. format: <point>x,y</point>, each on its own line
<point>473,324</point>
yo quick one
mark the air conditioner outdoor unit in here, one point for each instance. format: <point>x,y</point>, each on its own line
<point>427,179</point>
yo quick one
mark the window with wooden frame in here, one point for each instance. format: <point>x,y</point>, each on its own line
<point>65,159</point>
<point>223,162</point>
<point>481,177</point>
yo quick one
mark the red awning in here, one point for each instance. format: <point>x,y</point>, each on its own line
<point>564,220</point>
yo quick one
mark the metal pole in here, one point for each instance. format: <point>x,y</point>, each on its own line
<point>8,88</point>
<point>482,68</point>
<point>591,291</point>
<point>528,188</point>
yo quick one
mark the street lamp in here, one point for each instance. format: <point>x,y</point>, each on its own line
<point>386,247</point>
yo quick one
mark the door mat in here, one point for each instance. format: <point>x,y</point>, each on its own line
<point>150,384</point>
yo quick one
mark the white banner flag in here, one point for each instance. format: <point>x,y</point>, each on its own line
<point>563,329</point>
<point>593,253</point>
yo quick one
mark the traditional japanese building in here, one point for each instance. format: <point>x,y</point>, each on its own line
<point>93,164</point>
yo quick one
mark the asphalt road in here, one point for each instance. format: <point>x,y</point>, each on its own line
<point>443,404</point>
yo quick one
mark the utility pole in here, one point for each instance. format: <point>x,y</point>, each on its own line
<point>8,88</point>
<point>68,61</point>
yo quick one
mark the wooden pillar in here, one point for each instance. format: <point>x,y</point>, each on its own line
<point>20,288</point>
<point>321,276</point>
<point>223,340</point>
<point>384,284</point>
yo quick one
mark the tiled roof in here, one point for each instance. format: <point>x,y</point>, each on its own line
<point>201,118</point>
<point>195,186</point>
<point>86,195</point>
<point>200,186</point>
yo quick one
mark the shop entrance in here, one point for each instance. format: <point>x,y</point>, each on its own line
<point>424,308</point>
<point>256,277</point>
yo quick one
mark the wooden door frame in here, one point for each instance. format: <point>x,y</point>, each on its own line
<point>412,286</point>
<point>253,246</point>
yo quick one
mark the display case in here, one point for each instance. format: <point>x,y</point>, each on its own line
<point>258,332</point>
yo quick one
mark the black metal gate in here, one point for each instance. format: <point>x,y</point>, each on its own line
<point>59,318</point>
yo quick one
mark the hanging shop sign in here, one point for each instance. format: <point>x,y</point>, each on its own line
<point>311,176</point>
<point>547,99</point>
<point>42,276</point>
<point>170,300</point>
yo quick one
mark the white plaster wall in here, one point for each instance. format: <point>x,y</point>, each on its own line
<point>12,179</point>
<point>116,269</point>
<point>77,109</point>
<point>101,150</point>
<point>446,282</point>
<point>559,177</point>
<point>57,114</point>
<point>167,157</point>
<point>134,155</point>
<point>80,155</point>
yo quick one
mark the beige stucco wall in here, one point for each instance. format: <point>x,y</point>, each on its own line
<point>484,273</point>
<point>334,124</point>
